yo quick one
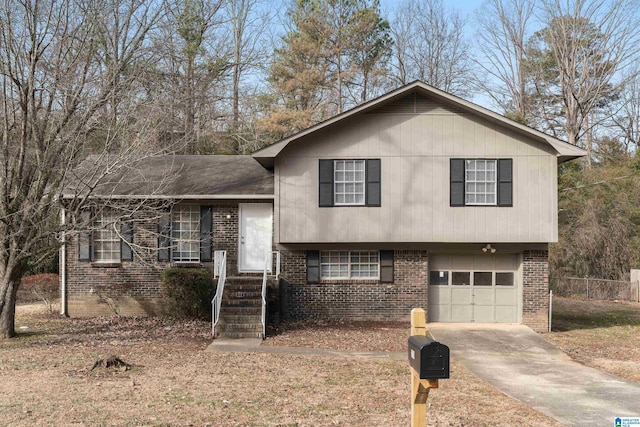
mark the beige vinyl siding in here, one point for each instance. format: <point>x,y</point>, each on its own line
<point>415,150</point>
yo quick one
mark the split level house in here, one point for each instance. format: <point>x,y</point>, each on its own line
<point>415,199</point>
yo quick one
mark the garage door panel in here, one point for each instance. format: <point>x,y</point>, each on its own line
<point>506,314</point>
<point>439,295</point>
<point>461,296</point>
<point>483,296</point>
<point>505,296</point>
<point>483,313</point>
<point>461,313</point>
<point>439,313</point>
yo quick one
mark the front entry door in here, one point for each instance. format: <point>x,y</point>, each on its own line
<point>256,222</point>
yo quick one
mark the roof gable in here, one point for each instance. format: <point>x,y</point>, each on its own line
<point>420,98</point>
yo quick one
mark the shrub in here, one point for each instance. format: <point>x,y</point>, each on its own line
<point>188,291</point>
<point>43,287</point>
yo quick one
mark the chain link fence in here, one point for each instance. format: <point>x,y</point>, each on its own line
<point>599,289</point>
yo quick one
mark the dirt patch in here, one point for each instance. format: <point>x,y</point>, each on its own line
<point>600,334</point>
<point>43,381</point>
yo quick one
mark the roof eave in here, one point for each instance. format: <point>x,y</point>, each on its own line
<point>176,197</point>
<point>564,150</point>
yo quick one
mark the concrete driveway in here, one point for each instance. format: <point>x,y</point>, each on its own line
<point>520,363</point>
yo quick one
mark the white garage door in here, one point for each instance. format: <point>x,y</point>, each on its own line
<point>473,288</point>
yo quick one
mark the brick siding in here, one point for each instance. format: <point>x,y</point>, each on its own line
<point>134,287</point>
<point>357,299</point>
<point>535,290</point>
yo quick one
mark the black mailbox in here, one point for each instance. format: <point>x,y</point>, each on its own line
<point>428,358</point>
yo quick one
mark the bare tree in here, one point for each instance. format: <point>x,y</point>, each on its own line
<point>624,114</point>
<point>61,63</point>
<point>431,46</point>
<point>503,29</point>
<point>587,44</point>
<point>191,63</point>
<point>248,22</point>
<point>246,28</point>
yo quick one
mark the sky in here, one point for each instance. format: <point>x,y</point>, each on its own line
<point>467,8</point>
<point>464,6</point>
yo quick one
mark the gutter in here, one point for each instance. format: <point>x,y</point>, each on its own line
<point>62,267</point>
<point>181,197</point>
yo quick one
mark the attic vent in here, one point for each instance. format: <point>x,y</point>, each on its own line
<point>415,103</point>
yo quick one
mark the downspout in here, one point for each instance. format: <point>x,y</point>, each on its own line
<point>63,264</point>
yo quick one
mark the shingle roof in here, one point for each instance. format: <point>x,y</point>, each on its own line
<point>173,176</point>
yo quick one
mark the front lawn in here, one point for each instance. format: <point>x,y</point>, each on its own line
<point>600,334</point>
<point>45,379</point>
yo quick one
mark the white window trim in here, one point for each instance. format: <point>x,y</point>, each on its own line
<point>495,183</point>
<point>364,183</point>
<point>349,276</point>
<point>105,218</point>
<point>175,241</point>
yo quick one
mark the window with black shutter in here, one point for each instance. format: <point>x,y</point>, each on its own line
<point>481,182</point>
<point>185,234</point>
<point>102,243</point>
<point>349,182</point>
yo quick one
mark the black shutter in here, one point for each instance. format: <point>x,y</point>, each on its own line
<point>126,253</point>
<point>373,182</point>
<point>456,184</point>
<point>325,189</point>
<point>313,266</point>
<point>505,182</point>
<point>85,250</point>
<point>205,233</point>
<point>164,237</point>
<point>386,266</point>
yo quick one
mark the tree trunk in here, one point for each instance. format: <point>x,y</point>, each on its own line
<point>588,143</point>
<point>236,95</point>
<point>8,292</point>
<point>189,113</point>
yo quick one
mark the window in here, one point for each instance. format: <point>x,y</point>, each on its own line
<point>505,279</point>
<point>439,278</point>
<point>480,182</point>
<point>482,278</point>
<point>464,278</point>
<point>348,182</point>
<point>106,241</point>
<point>349,264</point>
<point>461,278</point>
<point>185,233</point>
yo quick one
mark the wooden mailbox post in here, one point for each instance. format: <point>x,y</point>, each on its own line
<point>419,387</point>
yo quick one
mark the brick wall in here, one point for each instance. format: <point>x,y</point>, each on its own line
<point>134,287</point>
<point>535,290</point>
<point>357,299</point>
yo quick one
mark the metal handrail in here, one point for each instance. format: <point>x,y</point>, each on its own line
<point>267,263</point>
<point>277,254</point>
<point>217,298</point>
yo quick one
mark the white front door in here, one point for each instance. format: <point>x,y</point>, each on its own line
<point>256,222</point>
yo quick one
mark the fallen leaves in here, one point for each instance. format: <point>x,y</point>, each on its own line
<point>601,334</point>
<point>175,382</point>
<point>341,335</point>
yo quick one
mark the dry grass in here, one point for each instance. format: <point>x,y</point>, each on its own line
<point>600,334</point>
<point>45,379</point>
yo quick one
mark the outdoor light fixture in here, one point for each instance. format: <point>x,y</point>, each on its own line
<point>488,248</point>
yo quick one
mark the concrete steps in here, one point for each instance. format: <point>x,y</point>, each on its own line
<point>241,309</point>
